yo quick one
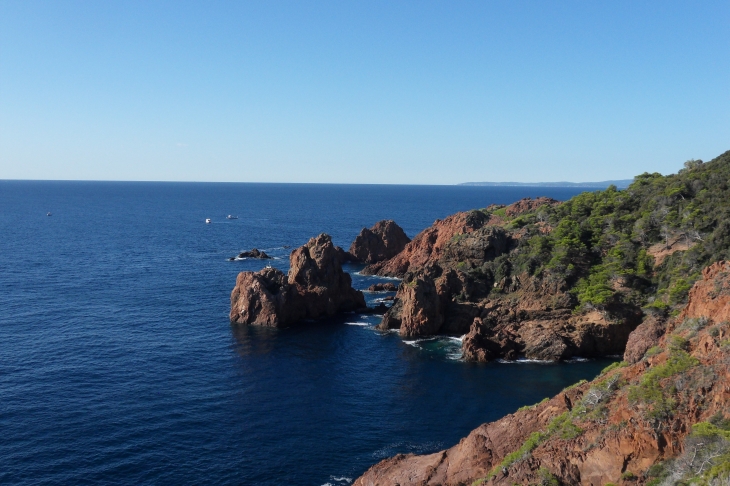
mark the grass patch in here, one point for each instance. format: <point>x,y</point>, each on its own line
<point>614,366</point>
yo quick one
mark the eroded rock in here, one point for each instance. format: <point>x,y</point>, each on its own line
<point>383,241</point>
<point>316,286</point>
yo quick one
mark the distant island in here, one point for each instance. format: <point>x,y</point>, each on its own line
<point>621,184</point>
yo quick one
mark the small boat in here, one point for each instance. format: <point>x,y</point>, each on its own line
<point>207,220</point>
<point>230,216</point>
<point>48,213</point>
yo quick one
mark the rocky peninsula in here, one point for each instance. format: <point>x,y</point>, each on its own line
<point>640,272</point>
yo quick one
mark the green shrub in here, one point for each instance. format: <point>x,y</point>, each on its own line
<point>653,351</point>
<point>678,343</point>
<point>547,478</point>
<point>563,427</point>
<point>534,440</point>
<point>650,391</point>
<point>629,476</point>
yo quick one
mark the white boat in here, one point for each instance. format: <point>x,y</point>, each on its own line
<point>207,220</point>
<point>230,216</point>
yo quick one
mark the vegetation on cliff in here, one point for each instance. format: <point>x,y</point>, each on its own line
<point>644,245</point>
<point>659,417</point>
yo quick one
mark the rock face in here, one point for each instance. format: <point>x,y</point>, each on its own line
<point>446,290</point>
<point>643,338</point>
<point>381,242</point>
<point>315,287</point>
<point>536,321</point>
<point>711,295</point>
<point>611,430</point>
<point>427,245</point>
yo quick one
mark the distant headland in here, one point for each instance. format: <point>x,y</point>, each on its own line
<point>620,184</point>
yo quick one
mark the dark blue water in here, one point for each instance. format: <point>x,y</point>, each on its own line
<point>118,364</point>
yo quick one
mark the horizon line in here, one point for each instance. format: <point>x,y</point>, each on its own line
<point>464,184</point>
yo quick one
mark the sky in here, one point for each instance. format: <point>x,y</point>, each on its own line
<point>416,92</point>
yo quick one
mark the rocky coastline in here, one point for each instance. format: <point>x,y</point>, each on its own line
<point>639,273</point>
<point>639,422</point>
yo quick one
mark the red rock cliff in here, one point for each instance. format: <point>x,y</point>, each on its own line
<point>612,429</point>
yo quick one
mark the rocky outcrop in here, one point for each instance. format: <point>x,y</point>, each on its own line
<point>428,245</point>
<point>643,338</point>
<point>610,430</point>
<point>528,204</point>
<point>532,317</point>
<point>315,287</point>
<point>711,295</point>
<point>383,241</point>
<point>541,325</point>
<point>383,287</point>
<point>255,253</point>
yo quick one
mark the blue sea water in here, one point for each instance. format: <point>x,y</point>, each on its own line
<point>118,364</point>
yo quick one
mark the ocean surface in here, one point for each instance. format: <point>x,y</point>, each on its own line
<point>118,364</point>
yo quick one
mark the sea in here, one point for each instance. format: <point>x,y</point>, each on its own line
<point>118,363</point>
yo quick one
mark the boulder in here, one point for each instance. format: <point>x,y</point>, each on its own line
<point>315,287</point>
<point>383,241</point>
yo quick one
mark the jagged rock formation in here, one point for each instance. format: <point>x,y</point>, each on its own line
<point>383,241</point>
<point>315,287</point>
<point>429,245</point>
<point>447,291</point>
<point>621,428</point>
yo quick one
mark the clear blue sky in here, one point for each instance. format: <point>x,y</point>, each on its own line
<point>373,92</point>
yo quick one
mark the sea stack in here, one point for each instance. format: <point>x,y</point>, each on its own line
<point>316,286</point>
<point>381,242</point>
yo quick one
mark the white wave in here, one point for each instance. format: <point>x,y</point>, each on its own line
<point>459,339</point>
<point>416,341</point>
<point>375,276</point>
<point>340,480</point>
<point>577,359</point>
<point>525,360</point>
<point>363,324</point>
